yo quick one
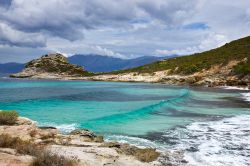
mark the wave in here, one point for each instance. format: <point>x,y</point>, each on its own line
<point>63,128</point>
<point>138,113</point>
<point>234,88</point>
<point>246,96</point>
<point>139,142</point>
<point>221,143</point>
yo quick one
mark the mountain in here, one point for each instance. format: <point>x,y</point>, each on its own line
<point>11,67</point>
<point>51,66</point>
<point>92,63</point>
<point>99,63</point>
<point>226,65</point>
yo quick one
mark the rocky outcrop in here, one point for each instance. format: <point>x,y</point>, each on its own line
<point>51,66</point>
<point>219,75</point>
<point>10,157</point>
<point>80,145</point>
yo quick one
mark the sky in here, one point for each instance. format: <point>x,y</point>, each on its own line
<point>118,28</point>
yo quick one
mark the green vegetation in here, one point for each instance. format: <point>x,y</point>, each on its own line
<point>236,50</point>
<point>57,64</point>
<point>243,68</point>
<point>42,156</point>
<point>8,117</point>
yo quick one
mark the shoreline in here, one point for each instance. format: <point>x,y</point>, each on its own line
<point>74,148</point>
<point>80,144</point>
<point>225,86</point>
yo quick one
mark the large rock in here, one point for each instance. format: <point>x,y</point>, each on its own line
<point>86,135</point>
<point>9,157</point>
<point>50,66</point>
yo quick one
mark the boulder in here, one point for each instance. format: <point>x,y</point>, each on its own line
<point>86,135</point>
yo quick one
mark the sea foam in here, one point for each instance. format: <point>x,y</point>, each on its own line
<point>221,143</point>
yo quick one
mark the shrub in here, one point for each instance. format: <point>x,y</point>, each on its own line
<point>8,117</point>
<point>43,157</point>
<point>243,68</point>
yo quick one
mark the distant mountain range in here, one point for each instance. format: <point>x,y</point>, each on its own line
<point>93,63</point>
<point>11,67</point>
<point>98,63</point>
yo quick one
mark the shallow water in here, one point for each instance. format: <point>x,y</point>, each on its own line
<point>161,116</point>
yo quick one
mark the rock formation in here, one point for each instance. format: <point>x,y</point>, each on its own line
<point>51,66</point>
<point>82,146</point>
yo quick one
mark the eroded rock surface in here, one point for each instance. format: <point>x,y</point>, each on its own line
<point>81,145</point>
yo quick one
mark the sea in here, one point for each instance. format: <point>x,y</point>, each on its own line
<point>208,126</point>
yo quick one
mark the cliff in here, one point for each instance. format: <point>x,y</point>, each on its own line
<point>51,66</point>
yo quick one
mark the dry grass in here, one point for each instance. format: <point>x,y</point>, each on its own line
<point>144,155</point>
<point>8,117</point>
<point>42,156</point>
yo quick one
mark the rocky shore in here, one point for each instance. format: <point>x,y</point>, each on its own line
<point>213,77</point>
<point>81,145</point>
<point>56,66</point>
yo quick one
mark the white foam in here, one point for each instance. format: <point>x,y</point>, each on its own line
<point>246,96</point>
<point>217,143</point>
<point>234,87</point>
<point>64,128</point>
<point>139,142</point>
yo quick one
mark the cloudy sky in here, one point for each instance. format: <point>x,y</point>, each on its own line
<point>118,28</point>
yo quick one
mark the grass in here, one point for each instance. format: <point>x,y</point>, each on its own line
<point>8,117</point>
<point>42,156</point>
<point>235,50</point>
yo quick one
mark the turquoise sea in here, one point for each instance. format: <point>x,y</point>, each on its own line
<point>209,125</point>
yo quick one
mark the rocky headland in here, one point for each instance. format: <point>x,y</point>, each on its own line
<point>23,143</point>
<point>51,66</point>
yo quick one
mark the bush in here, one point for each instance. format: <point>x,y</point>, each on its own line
<point>242,68</point>
<point>8,117</point>
<point>42,156</point>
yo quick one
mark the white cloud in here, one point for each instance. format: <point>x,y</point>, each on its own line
<point>124,28</point>
<point>10,36</point>
<point>104,51</point>
<point>211,41</point>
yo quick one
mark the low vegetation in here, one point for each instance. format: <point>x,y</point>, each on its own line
<point>236,50</point>
<point>42,156</point>
<point>144,155</point>
<point>8,117</point>
<point>243,68</point>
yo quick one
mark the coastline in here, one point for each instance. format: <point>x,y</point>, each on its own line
<point>81,145</point>
<point>71,149</point>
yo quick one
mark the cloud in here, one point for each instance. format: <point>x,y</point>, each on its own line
<point>104,51</point>
<point>211,41</point>
<point>124,28</point>
<point>68,19</point>
<point>171,12</point>
<point>10,36</point>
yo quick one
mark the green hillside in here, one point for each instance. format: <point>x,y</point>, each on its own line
<point>235,50</point>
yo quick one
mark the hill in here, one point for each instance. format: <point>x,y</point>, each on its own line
<point>226,65</point>
<point>100,63</point>
<point>236,50</point>
<point>54,66</point>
